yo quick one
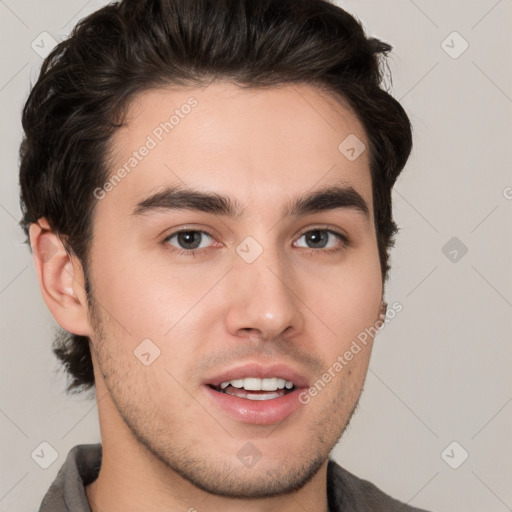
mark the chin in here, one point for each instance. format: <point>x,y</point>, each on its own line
<point>262,480</point>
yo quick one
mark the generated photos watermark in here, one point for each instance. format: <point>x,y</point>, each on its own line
<point>357,345</point>
<point>156,136</point>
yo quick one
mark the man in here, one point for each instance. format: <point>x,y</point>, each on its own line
<point>207,190</point>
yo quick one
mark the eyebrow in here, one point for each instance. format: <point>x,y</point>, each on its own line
<point>180,198</point>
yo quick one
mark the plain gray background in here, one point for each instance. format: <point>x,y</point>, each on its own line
<point>440,372</point>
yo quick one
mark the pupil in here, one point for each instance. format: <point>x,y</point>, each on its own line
<point>188,237</point>
<point>317,237</point>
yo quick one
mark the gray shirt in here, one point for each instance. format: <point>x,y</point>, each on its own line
<point>345,492</point>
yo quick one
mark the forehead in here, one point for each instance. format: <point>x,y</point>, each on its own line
<point>263,146</point>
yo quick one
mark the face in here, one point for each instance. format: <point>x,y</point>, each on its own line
<point>221,323</point>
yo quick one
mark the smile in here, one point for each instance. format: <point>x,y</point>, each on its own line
<point>255,393</point>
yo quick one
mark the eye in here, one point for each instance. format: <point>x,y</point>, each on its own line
<point>322,238</point>
<point>188,240</point>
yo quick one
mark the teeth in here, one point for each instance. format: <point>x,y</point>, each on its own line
<point>267,396</point>
<point>252,384</point>
<point>256,384</point>
<point>281,383</point>
<point>268,384</point>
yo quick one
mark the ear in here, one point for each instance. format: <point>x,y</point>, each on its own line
<point>61,279</point>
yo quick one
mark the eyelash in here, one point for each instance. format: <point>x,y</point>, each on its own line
<point>345,242</point>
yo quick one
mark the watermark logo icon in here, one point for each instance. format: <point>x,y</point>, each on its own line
<point>44,455</point>
<point>249,455</point>
<point>454,455</point>
<point>43,44</point>
<point>147,352</point>
<point>47,249</point>
<point>454,249</point>
<point>351,147</point>
<point>249,249</point>
<point>454,45</point>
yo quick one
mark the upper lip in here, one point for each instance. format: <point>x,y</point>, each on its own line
<point>260,371</point>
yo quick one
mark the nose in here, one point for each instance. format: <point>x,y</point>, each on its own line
<point>263,302</point>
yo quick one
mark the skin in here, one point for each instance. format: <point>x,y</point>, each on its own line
<point>166,446</point>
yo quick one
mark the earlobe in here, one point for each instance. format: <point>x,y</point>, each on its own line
<point>61,279</point>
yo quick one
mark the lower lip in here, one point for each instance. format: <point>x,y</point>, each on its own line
<point>258,412</point>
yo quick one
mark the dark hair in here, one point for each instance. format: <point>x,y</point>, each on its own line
<point>86,84</point>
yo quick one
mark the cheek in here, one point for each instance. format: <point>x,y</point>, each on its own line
<point>346,297</point>
<point>147,300</point>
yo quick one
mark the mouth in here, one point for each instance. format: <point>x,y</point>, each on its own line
<point>256,394</point>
